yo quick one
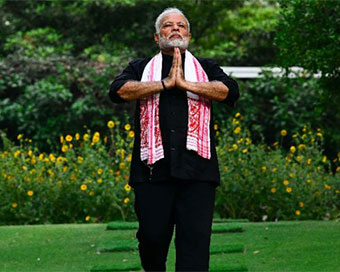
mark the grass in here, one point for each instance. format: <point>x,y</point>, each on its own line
<point>271,246</point>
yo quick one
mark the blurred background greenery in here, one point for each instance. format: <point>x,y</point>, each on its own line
<point>58,58</point>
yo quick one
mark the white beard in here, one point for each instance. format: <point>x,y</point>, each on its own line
<point>166,43</point>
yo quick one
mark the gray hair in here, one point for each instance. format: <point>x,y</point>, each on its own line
<point>166,12</point>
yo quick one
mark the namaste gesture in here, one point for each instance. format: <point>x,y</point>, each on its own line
<point>176,75</point>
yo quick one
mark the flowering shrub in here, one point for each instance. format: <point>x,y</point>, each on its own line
<point>261,182</point>
<point>86,181</point>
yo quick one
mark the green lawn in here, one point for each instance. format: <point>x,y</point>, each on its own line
<point>280,246</point>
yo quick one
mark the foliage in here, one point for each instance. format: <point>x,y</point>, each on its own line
<point>45,98</point>
<point>261,182</point>
<point>87,179</point>
<point>308,36</point>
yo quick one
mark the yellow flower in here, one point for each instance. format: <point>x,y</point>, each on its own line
<point>52,158</point>
<point>299,158</point>
<point>33,160</point>
<point>309,181</point>
<point>100,180</point>
<point>126,200</point>
<point>237,130</point>
<point>301,146</point>
<point>274,169</point>
<point>288,189</point>
<point>47,160</point>
<point>129,158</point>
<point>68,138</point>
<point>283,132</point>
<point>30,192</point>
<point>19,136</point>
<point>86,137</point>
<point>276,144</point>
<point>83,187</point>
<point>41,156</point>
<point>91,193</point>
<point>309,161</point>
<point>100,171</point>
<point>328,187</point>
<point>237,114</point>
<point>127,187</point>
<point>96,137</point>
<point>319,134</point>
<point>273,190</point>
<point>292,175</point>
<point>131,134</point>
<point>292,149</point>
<point>64,148</point>
<point>235,122</point>
<point>240,140</point>
<point>297,212</point>
<point>30,153</point>
<point>80,159</point>
<point>77,136</point>
<point>87,218</point>
<point>14,205</point>
<point>285,182</point>
<point>17,153</point>
<point>304,129</point>
<point>338,169</point>
<point>324,159</point>
<point>248,141</point>
<point>110,124</point>
<point>127,127</point>
<point>245,150</point>
<point>235,146</point>
<point>294,135</point>
<point>61,139</point>
<point>215,127</point>
<point>264,169</point>
<point>121,165</point>
<point>301,204</point>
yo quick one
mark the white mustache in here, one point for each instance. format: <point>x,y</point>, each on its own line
<point>173,34</point>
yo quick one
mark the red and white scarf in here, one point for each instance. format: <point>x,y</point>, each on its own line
<point>198,133</point>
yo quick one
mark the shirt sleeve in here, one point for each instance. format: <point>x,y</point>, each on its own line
<point>216,73</point>
<point>131,72</point>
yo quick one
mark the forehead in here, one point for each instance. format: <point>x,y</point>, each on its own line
<point>173,17</point>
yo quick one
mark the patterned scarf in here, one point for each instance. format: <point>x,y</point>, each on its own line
<point>198,134</point>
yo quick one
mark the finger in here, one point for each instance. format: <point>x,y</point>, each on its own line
<point>179,59</point>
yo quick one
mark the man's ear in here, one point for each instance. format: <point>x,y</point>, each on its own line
<point>156,37</point>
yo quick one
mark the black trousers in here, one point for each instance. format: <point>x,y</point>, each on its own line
<point>188,205</point>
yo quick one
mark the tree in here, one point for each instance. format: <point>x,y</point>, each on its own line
<point>308,35</point>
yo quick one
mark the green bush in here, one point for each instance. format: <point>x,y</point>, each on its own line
<point>262,182</point>
<point>86,180</point>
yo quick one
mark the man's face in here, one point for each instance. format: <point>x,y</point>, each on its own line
<point>173,33</point>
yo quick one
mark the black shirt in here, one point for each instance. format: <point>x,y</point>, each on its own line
<point>178,162</point>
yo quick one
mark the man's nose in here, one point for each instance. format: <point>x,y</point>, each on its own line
<point>175,27</point>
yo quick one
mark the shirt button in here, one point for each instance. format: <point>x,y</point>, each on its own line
<point>173,149</point>
<point>172,130</point>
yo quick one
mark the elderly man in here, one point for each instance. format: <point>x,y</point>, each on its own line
<point>174,169</point>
